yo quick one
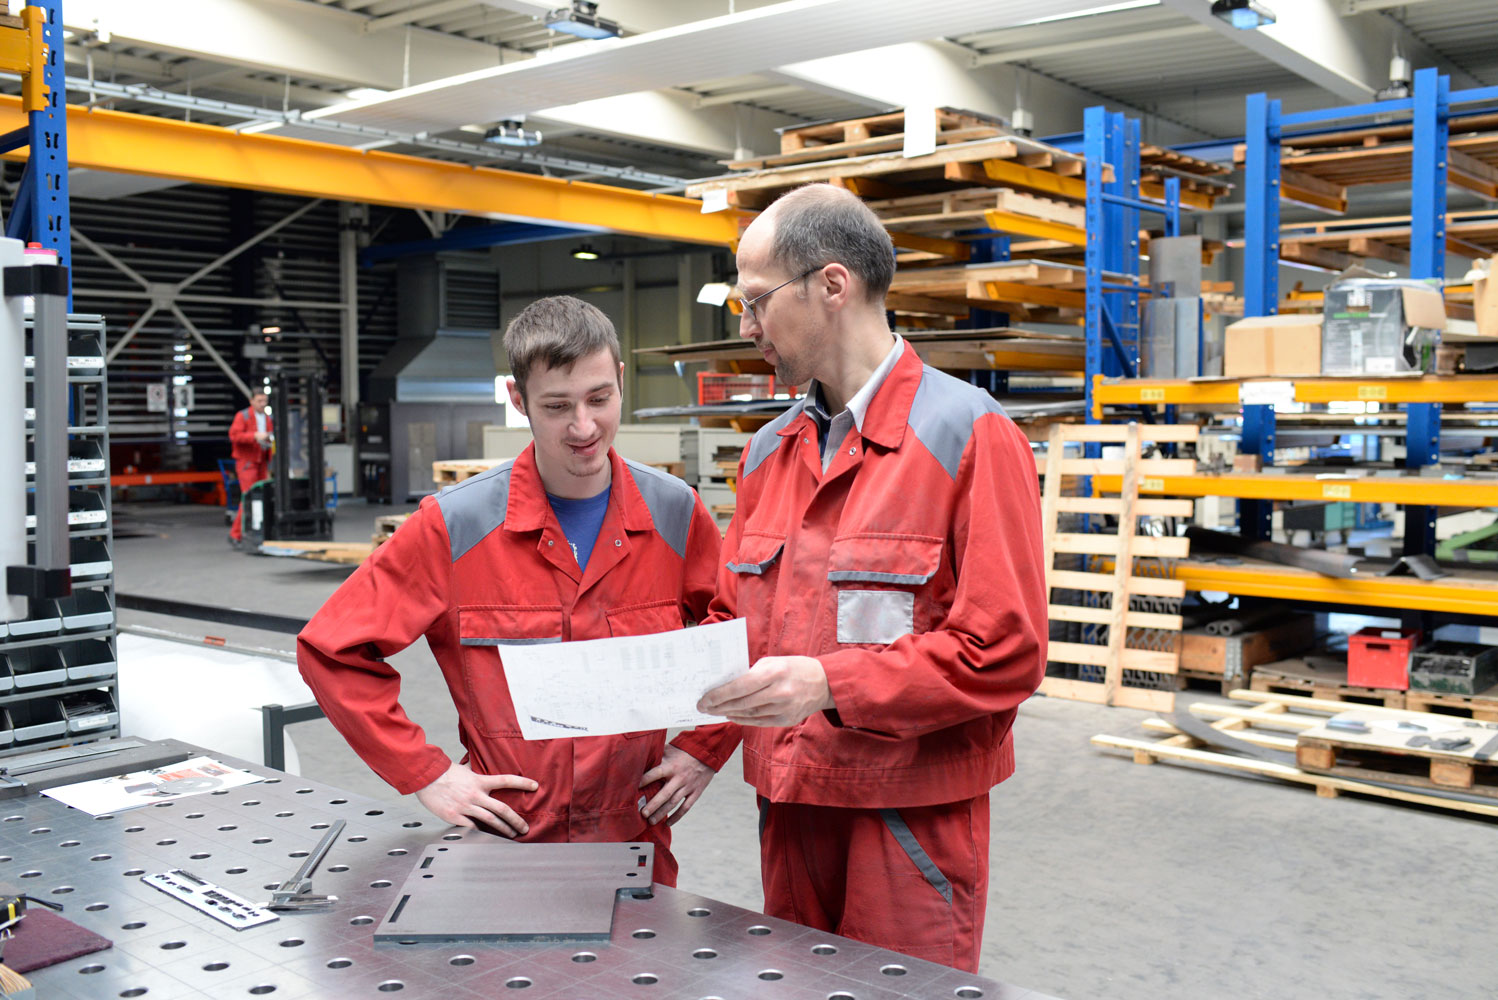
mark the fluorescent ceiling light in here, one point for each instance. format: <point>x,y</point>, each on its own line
<point>364,93</point>
<point>582,20</point>
<point>585,251</point>
<point>1244,14</point>
<point>513,133</point>
<point>1107,8</point>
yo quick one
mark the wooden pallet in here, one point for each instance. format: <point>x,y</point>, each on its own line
<point>1152,667</point>
<point>385,526</point>
<point>1322,678</point>
<point>1267,724</point>
<point>1381,755</point>
<point>448,471</point>
<point>342,553</point>
<point>1482,707</point>
<point>871,134</point>
<point>1232,657</point>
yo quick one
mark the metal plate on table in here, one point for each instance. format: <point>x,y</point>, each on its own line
<point>515,892</point>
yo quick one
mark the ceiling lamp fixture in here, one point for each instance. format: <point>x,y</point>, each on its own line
<point>584,251</point>
<point>512,132</point>
<point>582,20</point>
<point>1245,14</point>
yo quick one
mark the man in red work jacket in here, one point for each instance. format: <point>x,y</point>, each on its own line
<point>568,541</point>
<point>886,552</point>
<point>250,438</point>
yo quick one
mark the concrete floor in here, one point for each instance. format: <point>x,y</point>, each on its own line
<point>1110,880</point>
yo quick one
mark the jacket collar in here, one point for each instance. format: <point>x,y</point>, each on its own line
<point>529,509</point>
<point>888,413</point>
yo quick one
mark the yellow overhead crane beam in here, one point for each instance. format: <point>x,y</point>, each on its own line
<point>21,49</point>
<point>207,154</point>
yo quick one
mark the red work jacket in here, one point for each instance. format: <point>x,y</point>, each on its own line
<point>242,438</point>
<point>912,569</point>
<point>484,563</point>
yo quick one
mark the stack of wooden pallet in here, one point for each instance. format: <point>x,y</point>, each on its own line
<point>979,182</point>
<point>1366,750</point>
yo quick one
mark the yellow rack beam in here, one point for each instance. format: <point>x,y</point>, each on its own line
<point>1311,389</point>
<point>1369,489</point>
<point>207,154</point>
<point>1454,594</point>
<point>1024,225</point>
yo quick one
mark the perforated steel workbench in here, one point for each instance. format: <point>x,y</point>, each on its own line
<point>672,945</point>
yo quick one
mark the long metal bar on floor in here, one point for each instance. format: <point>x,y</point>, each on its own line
<point>283,624</point>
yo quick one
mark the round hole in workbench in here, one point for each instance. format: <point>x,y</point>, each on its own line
<point>133,871</point>
<point>271,886</point>
<point>841,995</point>
<point>284,814</point>
<point>759,930</point>
<point>634,847</point>
<point>261,840</point>
<point>292,943</point>
<point>429,876</point>
<point>338,868</point>
<point>339,963</point>
<point>173,945</point>
<point>168,842</point>
<point>199,856</point>
<point>70,843</point>
<point>391,986</point>
<point>134,829</point>
<point>358,840</point>
<point>585,956</point>
<point>320,826</point>
<point>645,979</point>
<point>235,870</point>
<point>194,815</point>
<point>96,857</point>
<point>770,975</point>
<point>968,992</point>
<point>89,970</point>
<point>227,827</point>
<point>380,883</point>
<point>250,802</point>
<point>30,874</point>
<point>297,854</point>
<point>892,970</point>
<point>824,949</point>
<point>133,925</point>
<point>453,836</point>
<point>163,805</point>
<point>374,812</point>
<point>397,852</point>
<point>518,983</point>
<point>62,890</point>
<point>134,991</point>
<point>361,921</point>
<point>96,907</point>
<point>221,791</point>
<point>14,819</point>
<point>338,802</point>
<point>704,953</point>
<point>632,874</point>
<point>6,857</point>
<point>215,966</point>
<point>411,824</point>
<point>643,934</point>
<point>461,960</point>
<point>699,911</point>
<point>262,989</point>
<point>42,829</point>
<point>104,816</point>
<point>304,791</point>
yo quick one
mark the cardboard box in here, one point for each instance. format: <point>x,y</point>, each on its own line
<point>1485,299</point>
<point>1381,326</point>
<point>1273,345</point>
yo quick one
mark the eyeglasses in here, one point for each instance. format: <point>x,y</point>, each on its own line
<point>747,305</point>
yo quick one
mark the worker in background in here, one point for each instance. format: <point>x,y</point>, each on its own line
<point>886,552</point>
<point>568,541</point>
<point>250,437</point>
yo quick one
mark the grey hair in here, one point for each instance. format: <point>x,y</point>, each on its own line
<point>556,332</point>
<point>818,224</point>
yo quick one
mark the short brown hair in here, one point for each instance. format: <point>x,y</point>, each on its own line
<point>557,332</point>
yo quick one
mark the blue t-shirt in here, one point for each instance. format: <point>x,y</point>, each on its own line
<point>581,521</point>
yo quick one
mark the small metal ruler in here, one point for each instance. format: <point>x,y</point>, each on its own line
<point>220,904</point>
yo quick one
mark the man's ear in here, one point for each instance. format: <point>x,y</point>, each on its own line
<point>517,400</point>
<point>837,283</point>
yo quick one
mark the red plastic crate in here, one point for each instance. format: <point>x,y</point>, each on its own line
<point>1380,658</point>
<point>721,387</point>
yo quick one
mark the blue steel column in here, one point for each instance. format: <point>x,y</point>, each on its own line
<point>1422,439</point>
<point>1125,248</point>
<point>1261,263</point>
<point>48,160</point>
<point>987,248</point>
<point>1094,127</point>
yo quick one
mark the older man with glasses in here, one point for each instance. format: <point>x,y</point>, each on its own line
<point>886,552</point>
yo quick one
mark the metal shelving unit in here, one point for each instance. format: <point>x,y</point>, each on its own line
<point>83,671</point>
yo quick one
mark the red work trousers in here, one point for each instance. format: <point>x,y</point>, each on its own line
<point>910,880</point>
<point>249,474</point>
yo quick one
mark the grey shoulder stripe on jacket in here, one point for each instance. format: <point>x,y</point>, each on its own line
<point>475,507</point>
<point>943,413</point>
<point>767,438</point>
<point>670,500</point>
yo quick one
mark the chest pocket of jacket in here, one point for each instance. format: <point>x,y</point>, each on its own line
<point>646,619</point>
<point>877,580</point>
<point>484,631</point>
